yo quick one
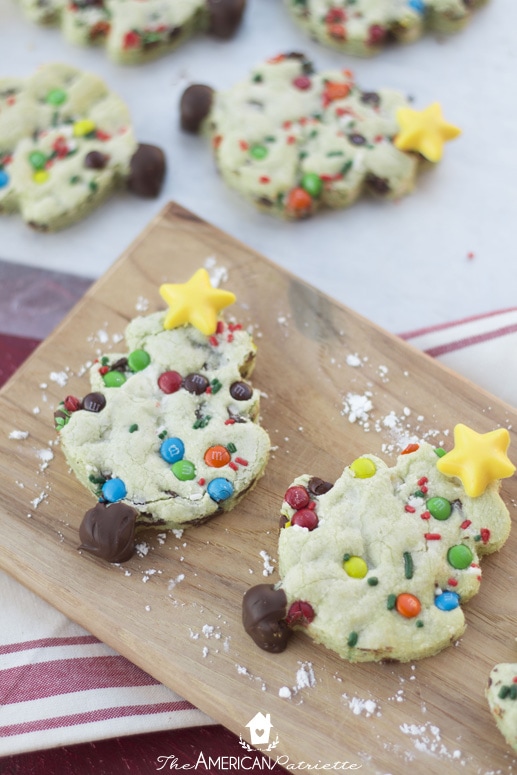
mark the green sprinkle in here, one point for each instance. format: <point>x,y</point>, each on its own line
<point>391,602</point>
<point>504,691</point>
<point>133,428</point>
<point>74,179</point>
<point>216,386</point>
<point>96,479</point>
<point>477,538</point>
<point>352,639</point>
<point>346,167</point>
<point>373,581</point>
<point>346,557</point>
<point>257,78</point>
<point>336,153</point>
<point>105,360</point>
<point>513,692</point>
<point>231,448</point>
<point>440,452</point>
<point>408,565</point>
<point>270,139</point>
<point>419,494</point>
<point>419,623</point>
<point>202,422</point>
<point>92,185</point>
<point>162,435</point>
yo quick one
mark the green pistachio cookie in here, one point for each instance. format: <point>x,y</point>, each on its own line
<point>378,565</point>
<point>364,27</point>
<point>136,30</point>
<point>66,142</point>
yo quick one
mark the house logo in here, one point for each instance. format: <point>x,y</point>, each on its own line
<point>260,733</point>
<point>260,728</point>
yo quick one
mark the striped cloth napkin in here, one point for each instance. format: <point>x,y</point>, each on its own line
<point>59,685</point>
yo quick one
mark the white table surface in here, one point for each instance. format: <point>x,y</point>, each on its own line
<point>447,251</point>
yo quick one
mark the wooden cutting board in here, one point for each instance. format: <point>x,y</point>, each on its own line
<point>429,716</point>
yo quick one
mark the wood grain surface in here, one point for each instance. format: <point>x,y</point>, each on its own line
<point>429,715</point>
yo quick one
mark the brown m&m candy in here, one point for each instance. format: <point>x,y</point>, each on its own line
<point>94,402</point>
<point>195,383</point>
<point>241,391</point>
<point>147,171</point>
<point>95,160</point>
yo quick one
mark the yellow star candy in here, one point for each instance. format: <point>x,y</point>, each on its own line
<point>477,458</point>
<point>196,302</point>
<point>424,131</point>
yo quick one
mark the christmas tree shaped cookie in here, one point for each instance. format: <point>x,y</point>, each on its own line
<point>364,27</point>
<point>66,142</point>
<point>293,140</point>
<point>378,565</point>
<point>136,30</point>
<point>501,694</point>
<point>168,436</point>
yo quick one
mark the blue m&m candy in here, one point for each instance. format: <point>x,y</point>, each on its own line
<point>114,490</point>
<point>172,450</point>
<point>4,178</point>
<point>220,489</point>
<point>447,601</point>
<point>417,5</point>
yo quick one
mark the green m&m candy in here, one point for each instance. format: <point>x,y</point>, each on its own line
<point>258,152</point>
<point>312,183</point>
<point>56,97</point>
<point>184,470</point>
<point>439,508</point>
<point>37,160</point>
<point>113,378</point>
<point>138,360</point>
<point>460,556</point>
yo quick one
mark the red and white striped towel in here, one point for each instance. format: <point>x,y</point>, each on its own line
<point>59,685</point>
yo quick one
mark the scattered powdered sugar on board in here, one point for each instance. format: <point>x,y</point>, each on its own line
<point>362,707</point>
<point>357,408</point>
<point>427,739</point>
<point>59,377</point>
<point>19,435</point>
<point>45,455</point>
<point>268,567</point>
<point>305,679</point>
<point>218,274</point>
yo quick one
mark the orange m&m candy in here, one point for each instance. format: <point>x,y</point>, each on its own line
<point>408,605</point>
<point>217,456</point>
<point>299,202</point>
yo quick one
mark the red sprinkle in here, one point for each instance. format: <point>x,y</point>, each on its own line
<point>432,536</point>
<point>220,327</point>
<point>233,466</point>
<point>241,461</point>
<point>422,480</point>
<point>230,421</point>
<point>100,135</point>
<point>291,139</point>
<point>410,448</point>
<point>201,482</point>
<point>229,338</point>
<point>426,515</point>
<point>103,370</point>
<point>217,140</point>
<point>243,145</point>
<point>264,179</point>
<point>452,583</point>
<point>312,505</point>
<point>213,341</point>
<point>409,509</point>
<point>302,82</point>
<point>424,488</point>
<point>464,525</point>
<point>485,535</point>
